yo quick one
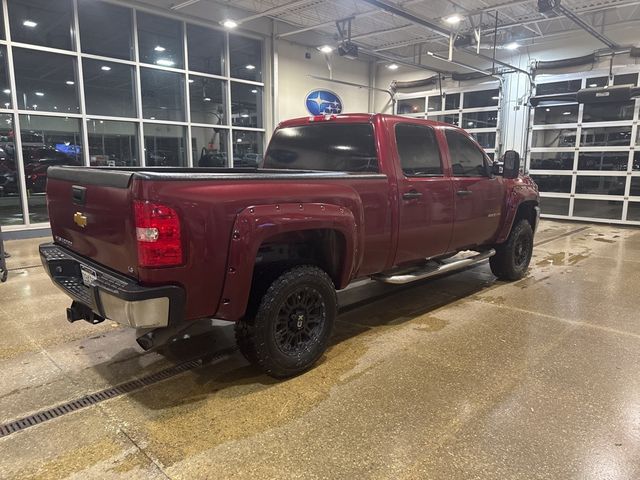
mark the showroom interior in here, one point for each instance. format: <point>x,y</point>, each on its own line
<point>459,376</point>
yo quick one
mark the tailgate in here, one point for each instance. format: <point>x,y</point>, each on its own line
<point>90,211</point>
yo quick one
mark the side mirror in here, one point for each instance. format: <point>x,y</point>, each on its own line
<point>511,161</point>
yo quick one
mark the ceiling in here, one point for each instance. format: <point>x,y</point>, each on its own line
<point>386,34</point>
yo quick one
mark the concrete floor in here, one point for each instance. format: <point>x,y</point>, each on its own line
<point>460,377</point>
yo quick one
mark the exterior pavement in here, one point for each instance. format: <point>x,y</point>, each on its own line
<point>460,377</point>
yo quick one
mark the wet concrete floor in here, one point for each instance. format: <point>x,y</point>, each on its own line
<point>462,377</point>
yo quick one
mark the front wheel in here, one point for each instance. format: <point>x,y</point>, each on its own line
<point>512,258</point>
<point>292,326</point>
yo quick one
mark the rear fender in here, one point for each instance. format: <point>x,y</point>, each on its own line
<point>254,225</point>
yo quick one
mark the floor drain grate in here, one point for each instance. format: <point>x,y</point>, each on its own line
<point>108,393</point>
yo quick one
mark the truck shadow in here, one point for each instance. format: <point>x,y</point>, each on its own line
<point>363,309</point>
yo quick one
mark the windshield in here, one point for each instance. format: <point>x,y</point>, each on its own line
<point>346,147</point>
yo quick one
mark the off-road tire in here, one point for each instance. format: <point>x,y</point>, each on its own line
<point>512,257</point>
<point>260,335</point>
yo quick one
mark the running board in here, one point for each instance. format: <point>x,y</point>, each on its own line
<point>433,270</point>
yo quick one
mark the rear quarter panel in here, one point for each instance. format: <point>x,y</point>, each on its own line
<point>209,208</point>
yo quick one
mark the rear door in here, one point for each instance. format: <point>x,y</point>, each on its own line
<point>426,194</point>
<point>479,195</point>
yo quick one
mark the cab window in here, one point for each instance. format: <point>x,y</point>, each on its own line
<point>418,150</point>
<point>467,160</point>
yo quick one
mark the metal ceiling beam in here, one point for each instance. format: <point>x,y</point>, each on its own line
<point>274,10</point>
<point>387,7</point>
<point>331,23</point>
<point>586,27</point>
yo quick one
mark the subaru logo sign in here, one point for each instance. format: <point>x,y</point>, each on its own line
<point>323,102</point>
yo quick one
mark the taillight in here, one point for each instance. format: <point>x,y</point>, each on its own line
<point>158,235</point>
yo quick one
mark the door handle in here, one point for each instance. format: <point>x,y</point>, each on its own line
<point>412,195</point>
<point>464,193</point>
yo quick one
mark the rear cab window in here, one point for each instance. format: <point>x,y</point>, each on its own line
<point>418,150</point>
<point>337,147</point>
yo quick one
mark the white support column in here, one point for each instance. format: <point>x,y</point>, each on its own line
<point>141,149</point>
<point>80,86</point>
<point>17,138</point>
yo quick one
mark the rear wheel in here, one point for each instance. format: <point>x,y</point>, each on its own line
<point>292,325</point>
<point>512,258</point>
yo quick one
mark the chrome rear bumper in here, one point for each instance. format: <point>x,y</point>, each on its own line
<point>107,294</point>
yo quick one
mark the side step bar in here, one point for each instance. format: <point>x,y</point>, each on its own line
<point>433,270</point>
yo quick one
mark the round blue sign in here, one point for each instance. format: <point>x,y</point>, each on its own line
<point>323,102</point>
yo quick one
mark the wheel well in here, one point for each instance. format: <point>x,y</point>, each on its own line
<point>324,248</point>
<point>526,211</point>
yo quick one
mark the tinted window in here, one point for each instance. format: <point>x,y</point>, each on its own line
<point>42,22</point>
<point>418,150</point>
<point>109,88</point>
<point>159,40</point>
<point>97,20</point>
<point>246,58</point>
<point>484,98</point>
<point>206,49</point>
<point>329,147</point>
<point>45,81</point>
<point>467,160</point>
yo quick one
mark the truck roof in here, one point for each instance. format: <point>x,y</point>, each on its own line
<point>356,118</point>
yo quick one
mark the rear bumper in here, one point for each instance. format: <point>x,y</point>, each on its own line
<point>111,295</point>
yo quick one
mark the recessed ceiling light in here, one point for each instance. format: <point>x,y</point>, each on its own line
<point>7,91</point>
<point>70,82</point>
<point>326,48</point>
<point>495,97</point>
<point>244,115</point>
<point>165,62</point>
<point>206,99</point>
<point>547,109</point>
<point>250,67</point>
<point>191,80</point>
<point>30,23</point>
<point>228,23</point>
<point>453,19</point>
<point>566,113</point>
<point>512,46</point>
<point>592,85</point>
<point>105,68</point>
<point>35,106</point>
<point>393,66</point>
<point>254,90</point>
<point>40,94</point>
<point>239,140</point>
<point>159,48</point>
<point>152,118</point>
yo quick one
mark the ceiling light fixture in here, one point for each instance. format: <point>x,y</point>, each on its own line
<point>593,85</point>
<point>70,82</point>
<point>250,67</point>
<point>228,23</point>
<point>30,23</point>
<point>326,48</point>
<point>512,46</point>
<point>159,48</point>
<point>105,68</point>
<point>7,91</point>
<point>165,62</point>
<point>393,66</point>
<point>40,94</point>
<point>453,19</point>
<point>206,99</point>
<point>255,90</point>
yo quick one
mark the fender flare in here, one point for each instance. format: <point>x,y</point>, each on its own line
<point>255,224</point>
<point>517,197</point>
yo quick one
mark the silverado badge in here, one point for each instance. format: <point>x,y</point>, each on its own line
<point>80,219</point>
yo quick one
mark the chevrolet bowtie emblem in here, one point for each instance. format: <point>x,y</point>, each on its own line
<point>80,219</point>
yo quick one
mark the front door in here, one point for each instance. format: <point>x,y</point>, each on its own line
<point>426,195</point>
<point>479,195</point>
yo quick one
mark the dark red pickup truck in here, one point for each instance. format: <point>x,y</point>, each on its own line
<point>336,198</point>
